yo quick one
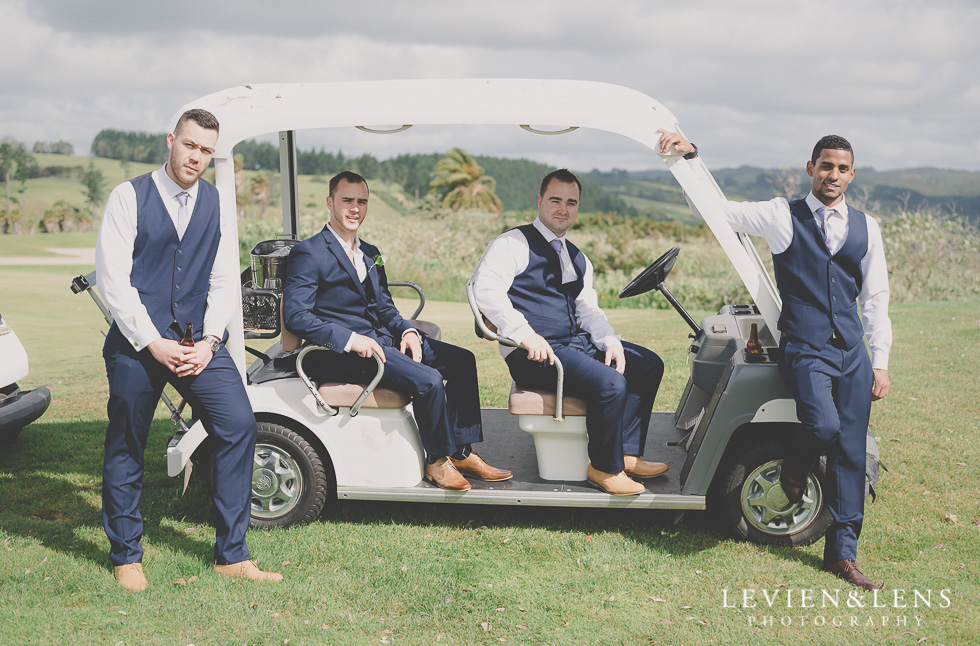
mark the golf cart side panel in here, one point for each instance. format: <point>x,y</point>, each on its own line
<point>386,439</point>
<point>743,390</point>
<point>14,366</point>
<point>250,110</point>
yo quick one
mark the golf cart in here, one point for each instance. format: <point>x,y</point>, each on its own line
<point>18,408</point>
<point>722,442</point>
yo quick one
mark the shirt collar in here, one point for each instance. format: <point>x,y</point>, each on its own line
<point>171,188</point>
<point>357,241</point>
<point>548,234</point>
<point>814,204</point>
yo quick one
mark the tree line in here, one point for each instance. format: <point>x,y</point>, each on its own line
<point>517,180</point>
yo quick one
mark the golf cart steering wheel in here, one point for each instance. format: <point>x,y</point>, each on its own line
<point>653,276</point>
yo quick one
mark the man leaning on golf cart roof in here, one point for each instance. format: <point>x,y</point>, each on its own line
<point>829,261</point>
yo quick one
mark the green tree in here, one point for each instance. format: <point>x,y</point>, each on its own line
<point>95,186</point>
<point>16,164</point>
<point>458,182</point>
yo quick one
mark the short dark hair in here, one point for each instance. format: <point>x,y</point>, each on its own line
<point>831,142</point>
<point>564,176</point>
<point>347,176</point>
<point>201,117</point>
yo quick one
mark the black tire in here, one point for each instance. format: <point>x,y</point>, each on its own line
<point>748,500</point>
<point>289,483</point>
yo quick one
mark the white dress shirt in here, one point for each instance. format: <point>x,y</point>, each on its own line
<point>114,263</point>
<point>772,221</point>
<point>506,258</point>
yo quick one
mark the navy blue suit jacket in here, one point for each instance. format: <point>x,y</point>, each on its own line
<point>323,301</point>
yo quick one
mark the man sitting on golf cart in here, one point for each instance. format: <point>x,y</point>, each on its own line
<point>336,296</point>
<point>536,287</point>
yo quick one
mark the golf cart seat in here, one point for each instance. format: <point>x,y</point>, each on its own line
<point>555,421</point>
<point>344,395</point>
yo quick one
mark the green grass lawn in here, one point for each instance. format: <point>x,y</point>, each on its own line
<point>427,574</point>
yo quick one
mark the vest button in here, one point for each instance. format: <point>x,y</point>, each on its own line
<point>179,252</point>
<point>831,262</point>
<point>178,268</point>
<point>833,280</point>
<point>833,298</point>
<point>176,286</point>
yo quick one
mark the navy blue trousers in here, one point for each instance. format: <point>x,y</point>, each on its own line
<point>619,406</point>
<point>832,387</point>
<point>218,397</point>
<point>444,388</point>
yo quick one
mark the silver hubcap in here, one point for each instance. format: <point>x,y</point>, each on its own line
<point>276,482</point>
<point>766,508</point>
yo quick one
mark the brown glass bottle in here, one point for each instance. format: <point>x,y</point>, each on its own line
<point>753,345</point>
<point>188,338</point>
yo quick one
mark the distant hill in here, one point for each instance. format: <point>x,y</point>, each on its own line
<point>885,193</point>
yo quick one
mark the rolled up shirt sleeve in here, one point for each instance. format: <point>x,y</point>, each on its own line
<point>590,316</point>
<point>224,287</point>
<point>873,298</point>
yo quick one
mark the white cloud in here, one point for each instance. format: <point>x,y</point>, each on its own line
<point>752,82</point>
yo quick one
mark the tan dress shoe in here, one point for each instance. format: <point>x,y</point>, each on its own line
<point>642,469</point>
<point>617,484</point>
<point>130,576</point>
<point>246,570</point>
<point>474,467</point>
<point>445,476</point>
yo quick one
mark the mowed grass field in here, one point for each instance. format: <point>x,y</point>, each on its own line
<point>369,573</point>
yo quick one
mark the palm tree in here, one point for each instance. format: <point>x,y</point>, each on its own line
<point>459,183</point>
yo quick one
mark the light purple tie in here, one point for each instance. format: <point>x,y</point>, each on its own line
<point>824,213</point>
<point>556,243</point>
<point>182,216</point>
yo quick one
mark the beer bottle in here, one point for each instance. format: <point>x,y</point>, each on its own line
<point>753,345</point>
<point>188,338</point>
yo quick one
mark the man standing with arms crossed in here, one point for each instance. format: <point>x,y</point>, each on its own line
<point>829,261</point>
<point>163,262</point>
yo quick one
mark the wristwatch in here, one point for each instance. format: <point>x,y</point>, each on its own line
<point>214,342</point>
<point>692,154</point>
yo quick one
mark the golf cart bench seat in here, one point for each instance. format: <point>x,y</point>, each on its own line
<point>344,395</point>
<point>541,402</point>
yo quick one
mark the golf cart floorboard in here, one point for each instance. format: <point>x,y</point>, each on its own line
<point>508,447</point>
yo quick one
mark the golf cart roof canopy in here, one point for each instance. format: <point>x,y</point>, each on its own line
<point>553,106</point>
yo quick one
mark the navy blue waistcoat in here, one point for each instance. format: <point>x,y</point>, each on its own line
<point>538,293</point>
<point>172,275</point>
<point>820,291</point>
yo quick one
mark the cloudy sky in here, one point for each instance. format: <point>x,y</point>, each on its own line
<point>752,82</point>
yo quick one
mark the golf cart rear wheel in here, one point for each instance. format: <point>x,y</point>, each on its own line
<point>755,508</point>
<point>289,483</point>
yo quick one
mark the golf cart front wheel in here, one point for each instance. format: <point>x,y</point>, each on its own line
<point>756,509</point>
<point>289,483</point>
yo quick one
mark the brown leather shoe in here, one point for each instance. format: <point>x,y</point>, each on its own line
<point>130,576</point>
<point>847,570</point>
<point>474,467</point>
<point>445,476</point>
<point>246,570</point>
<point>642,469</point>
<point>617,484</point>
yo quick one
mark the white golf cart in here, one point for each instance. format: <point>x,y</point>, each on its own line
<point>723,442</point>
<point>18,408</point>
